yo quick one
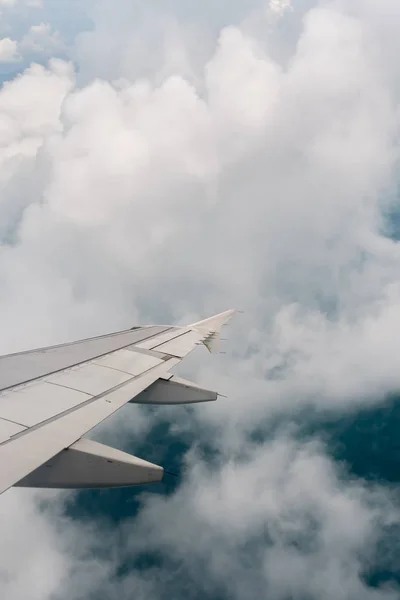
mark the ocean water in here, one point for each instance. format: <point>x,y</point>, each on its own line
<point>365,443</point>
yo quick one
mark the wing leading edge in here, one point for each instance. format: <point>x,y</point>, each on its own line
<point>51,397</point>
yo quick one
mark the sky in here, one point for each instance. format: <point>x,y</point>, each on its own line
<point>164,161</point>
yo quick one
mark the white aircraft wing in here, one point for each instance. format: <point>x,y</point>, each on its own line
<point>51,397</point>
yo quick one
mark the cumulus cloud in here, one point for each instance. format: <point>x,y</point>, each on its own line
<point>213,175</point>
<point>41,39</point>
<point>44,551</point>
<point>8,50</point>
<point>280,522</point>
<point>39,42</point>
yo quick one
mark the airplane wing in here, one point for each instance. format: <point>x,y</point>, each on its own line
<point>51,397</point>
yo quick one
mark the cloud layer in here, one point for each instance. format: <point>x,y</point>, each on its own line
<point>176,165</point>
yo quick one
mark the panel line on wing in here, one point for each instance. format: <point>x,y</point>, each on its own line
<point>94,338</point>
<point>76,384</point>
<point>14,422</point>
<point>161,343</point>
<point>81,405</point>
<point>93,362</point>
<point>86,394</point>
<point>146,352</point>
<point>68,387</point>
<point>16,386</point>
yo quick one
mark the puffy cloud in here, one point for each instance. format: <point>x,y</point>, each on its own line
<point>137,191</point>
<point>38,43</point>
<point>8,50</point>
<point>41,39</point>
<point>279,7</point>
<point>44,551</point>
<point>279,521</point>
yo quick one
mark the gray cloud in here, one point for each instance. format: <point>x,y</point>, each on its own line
<point>181,168</point>
<point>280,522</point>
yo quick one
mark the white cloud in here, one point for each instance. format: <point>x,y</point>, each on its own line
<point>165,191</point>
<point>41,39</point>
<point>8,50</point>
<point>279,7</point>
<point>39,42</point>
<point>44,551</point>
<point>280,520</point>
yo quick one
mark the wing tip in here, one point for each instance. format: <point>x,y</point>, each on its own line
<point>212,328</point>
<point>215,322</point>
